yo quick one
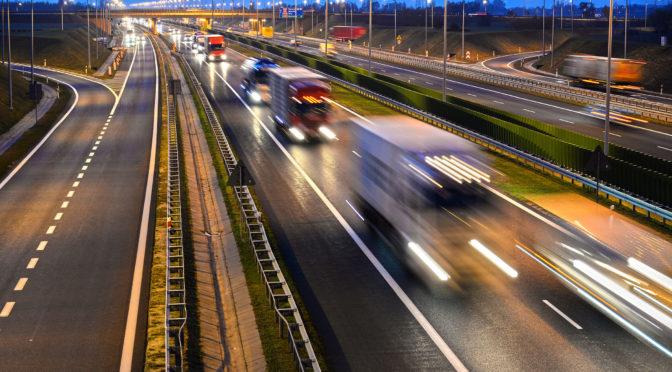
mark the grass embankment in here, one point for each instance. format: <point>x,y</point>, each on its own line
<point>276,351</point>
<point>658,59</point>
<point>64,49</point>
<point>33,135</point>
<point>20,100</point>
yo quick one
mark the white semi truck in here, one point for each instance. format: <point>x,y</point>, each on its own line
<point>409,177</point>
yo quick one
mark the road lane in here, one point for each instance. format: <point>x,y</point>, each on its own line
<point>491,322</point>
<point>72,311</point>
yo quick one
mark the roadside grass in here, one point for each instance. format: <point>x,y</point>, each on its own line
<point>32,136</point>
<point>65,49</point>
<point>20,100</point>
<point>359,103</point>
<point>276,351</point>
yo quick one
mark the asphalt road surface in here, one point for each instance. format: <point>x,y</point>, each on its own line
<point>373,311</point>
<point>71,220</point>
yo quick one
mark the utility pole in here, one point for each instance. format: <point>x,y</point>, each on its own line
<point>62,1</point>
<point>394,41</point>
<point>562,7</point>
<point>296,22</point>
<point>463,29</point>
<point>625,42</point>
<point>571,2</point>
<point>543,29</point>
<point>445,45</point>
<point>370,32</point>
<point>553,36</point>
<point>88,36</point>
<point>32,40</point>
<point>9,59</point>
<point>326,28</point>
<point>97,28</point>
<point>2,7</point>
<point>608,97</point>
<point>427,3</point>
<point>646,11</point>
<point>272,37</point>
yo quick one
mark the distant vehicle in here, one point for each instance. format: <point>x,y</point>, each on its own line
<point>329,47</point>
<point>188,37</point>
<point>295,42</point>
<point>409,177</point>
<point>591,71</point>
<point>299,103</point>
<point>344,33</point>
<point>229,29</point>
<point>198,41</point>
<point>130,39</point>
<point>215,48</point>
<point>255,84</point>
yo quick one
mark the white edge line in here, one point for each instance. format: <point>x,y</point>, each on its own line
<point>44,139</point>
<point>134,303</point>
<point>65,72</point>
<point>567,318</point>
<point>412,308</point>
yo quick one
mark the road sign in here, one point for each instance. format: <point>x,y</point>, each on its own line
<point>468,55</point>
<point>240,176</point>
<point>290,13</point>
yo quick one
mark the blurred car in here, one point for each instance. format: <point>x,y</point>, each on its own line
<point>295,42</point>
<point>329,48</point>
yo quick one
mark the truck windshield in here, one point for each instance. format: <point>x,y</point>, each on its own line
<point>217,46</point>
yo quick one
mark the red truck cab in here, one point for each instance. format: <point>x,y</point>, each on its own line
<point>215,48</point>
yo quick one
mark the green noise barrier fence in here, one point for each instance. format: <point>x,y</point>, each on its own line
<point>643,175</point>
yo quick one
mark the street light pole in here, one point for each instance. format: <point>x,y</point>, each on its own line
<point>97,28</point>
<point>445,45</point>
<point>88,37</point>
<point>9,59</point>
<point>62,1</point>
<point>543,29</point>
<point>625,42</point>
<point>571,2</point>
<point>2,8</point>
<point>296,22</point>
<point>326,28</point>
<point>426,25</point>
<point>463,29</point>
<point>608,97</point>
<point>273,37</point>
<point>394,39</point>
<point>553,35</point>
<point>370,32</point>
<point>32,38</point>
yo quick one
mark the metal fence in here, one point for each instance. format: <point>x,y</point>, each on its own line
<point>287,314</point>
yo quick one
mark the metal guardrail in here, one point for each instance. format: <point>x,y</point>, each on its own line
<point>176,308</point>
<point>280,296</point>
<point>617,194</point>
<point>653,110</point>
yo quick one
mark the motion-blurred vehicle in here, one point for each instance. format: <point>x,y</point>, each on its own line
<point>267,32</point>
<point>215,48</point>
<point>343,33</point>
<point>409,177</point>
<point>295,42</point>
<point>329,48</point>
<point>255,84</point>
<point>129,39</point>
<point>616,115</point>
<point>198,41</point>
<point>188,37</point>
<point>591,72</point>
<point>299,103</point>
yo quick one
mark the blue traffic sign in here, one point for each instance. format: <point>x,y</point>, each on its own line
<point>291,13</point>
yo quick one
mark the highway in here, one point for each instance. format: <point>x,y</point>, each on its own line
<point>374,312</point>
<point>75,219</point>
<point>650,138</point>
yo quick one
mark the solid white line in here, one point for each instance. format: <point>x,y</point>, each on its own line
<point>45,138</point>
<point>134,303</point>
<point>42,245</point>
<point>528,110</point>
<point>75,184</point>
<point>58,216</point>
<point>7,309</point>
<point>32,263</point>
<point>664,148</point>
<point>51,229</point>
<point>412,308</point>
<point>576,325</point>
<point>566,121</point>
<point>65,204</point>
<point>20,284</point>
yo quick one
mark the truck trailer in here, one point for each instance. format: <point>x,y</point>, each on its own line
<point>299,103</point>
<point>591,71</point>
<point>215,48</point>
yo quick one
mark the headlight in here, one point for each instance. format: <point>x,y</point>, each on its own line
<point>297,133</point>
<point>211,57</point>
<point>327,133</point>
<point>255,96</point>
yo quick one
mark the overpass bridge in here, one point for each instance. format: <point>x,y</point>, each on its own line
<point>194,13</point>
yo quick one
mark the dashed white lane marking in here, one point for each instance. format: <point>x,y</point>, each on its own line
<point>51,229</point>
<point>94,148</point>
<point>58,216</point>
<point>42,245</point>
<point>429,83</point>
<point>613,134</point>
<point>71,193</point>
<point>664,148</point>
<point>20,284</point>
<point>75,184</point>
<point>498,102</point>
<point>88,160</point>
<point>85,167</point>
<point>470,94</point>
<point>65,204</point>
<point>528,110</point>
<point>97,142</point>
<point>566,121</point>
<point>81,175</point>
<point>102,132</point>
<point>100,137</point>
<point>7,309</point>
<point>91,154</point>
<point>32,263</point>
<point>568,319</point>
<point>449,88</point>
<point>356,154</point>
